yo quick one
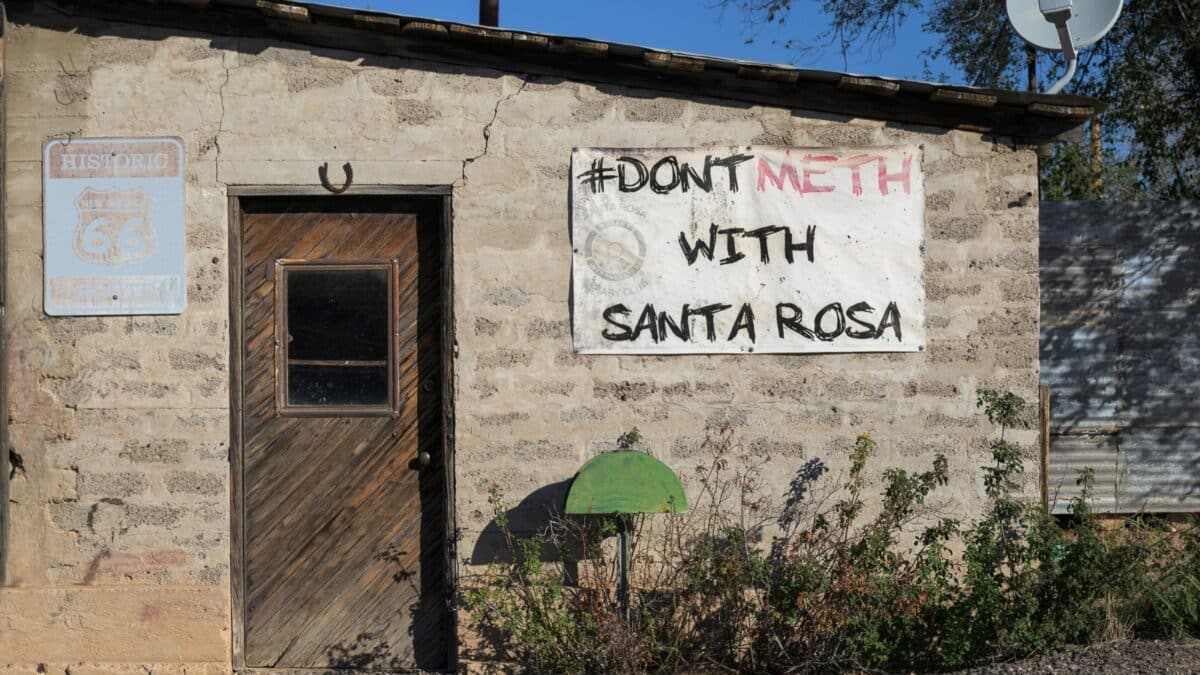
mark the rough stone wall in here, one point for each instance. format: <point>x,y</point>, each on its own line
<point>120,518</point>
<point>119,538</point>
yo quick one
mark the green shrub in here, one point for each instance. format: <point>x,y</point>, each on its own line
<point>530,615</point>
<point>1030,584</point>
<point>846,593</point>
<point>836,583</point>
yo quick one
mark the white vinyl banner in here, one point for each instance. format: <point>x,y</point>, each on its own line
<point>747,249</point>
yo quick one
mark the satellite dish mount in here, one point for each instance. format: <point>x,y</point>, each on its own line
<point>1058,12</point>
<point>1063,26</point>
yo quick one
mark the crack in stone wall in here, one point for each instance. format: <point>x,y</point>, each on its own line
<point>487,128</point>
<point>220,120</point>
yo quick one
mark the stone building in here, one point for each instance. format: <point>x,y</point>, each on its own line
<point>174,504</point>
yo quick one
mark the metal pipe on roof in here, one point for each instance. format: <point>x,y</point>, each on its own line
<point>489,12</point>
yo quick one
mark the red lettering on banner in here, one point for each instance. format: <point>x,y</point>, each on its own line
<point>765,173</point>
<point>854,164</point>
<point>813,173</point>
<point>902,177</point>
<point>809,172</point>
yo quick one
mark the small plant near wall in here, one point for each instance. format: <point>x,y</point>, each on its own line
<point>842,575</point>
<point>630,440</point>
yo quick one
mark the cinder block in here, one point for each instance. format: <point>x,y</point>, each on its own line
<point>196,482</point>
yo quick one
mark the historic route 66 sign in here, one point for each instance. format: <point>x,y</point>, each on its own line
<point>114,239</point>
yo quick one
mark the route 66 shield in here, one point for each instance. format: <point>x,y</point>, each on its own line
<point>114,226</point>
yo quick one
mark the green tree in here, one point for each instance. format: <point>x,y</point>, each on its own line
<point>1147,70</point>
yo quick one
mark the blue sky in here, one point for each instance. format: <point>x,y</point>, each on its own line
<point>696,26</point>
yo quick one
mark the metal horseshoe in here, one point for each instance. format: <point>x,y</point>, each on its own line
<point>323,172</point>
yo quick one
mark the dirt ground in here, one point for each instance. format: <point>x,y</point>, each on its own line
<point>1125,657</point>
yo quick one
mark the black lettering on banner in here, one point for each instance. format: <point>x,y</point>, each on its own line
<point>744,321</point>
<point>791,320</point>
<point>761,235</point>
<point>731,245</point>
<point>829,335</point>
<point>693,252</point>
<point>709,312</point>
<point>595,177</point>
<point>690,176</point>
<point>731,162</point>
<point>868,329</point>
<point>790,248</point>
<point>643,174</point>
<point>624,333</point>
<point>891,319</point>
<point>647,321</point>
<point>682,330</point>
<point>828,324</point>
<point>682,176</point>
<point>660,187</point>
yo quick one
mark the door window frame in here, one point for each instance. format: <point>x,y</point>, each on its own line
<point>283,407</point>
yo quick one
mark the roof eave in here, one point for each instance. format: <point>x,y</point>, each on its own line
<point>1028,118</point>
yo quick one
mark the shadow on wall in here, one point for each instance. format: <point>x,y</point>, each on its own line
<point>541,511</point>
<point>533,515</point>
<point>1120,293</point>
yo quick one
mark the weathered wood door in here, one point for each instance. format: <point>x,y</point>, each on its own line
<point>343,484</point>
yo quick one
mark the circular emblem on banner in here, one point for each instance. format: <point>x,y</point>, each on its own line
<point>615,251</point>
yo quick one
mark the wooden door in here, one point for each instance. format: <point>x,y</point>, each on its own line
<point>343,484</point>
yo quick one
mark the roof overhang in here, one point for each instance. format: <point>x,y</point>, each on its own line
<point>1027,118</point>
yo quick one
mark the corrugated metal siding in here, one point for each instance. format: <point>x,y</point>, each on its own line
<point>1120,351</point>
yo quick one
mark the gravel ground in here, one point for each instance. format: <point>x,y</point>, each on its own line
<point>1126,657</point>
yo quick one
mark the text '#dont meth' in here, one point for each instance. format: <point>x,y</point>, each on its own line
<point>802,175</point>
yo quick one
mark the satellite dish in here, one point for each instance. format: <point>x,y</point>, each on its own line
<point>1090,20</point>
<point>1063,25</point>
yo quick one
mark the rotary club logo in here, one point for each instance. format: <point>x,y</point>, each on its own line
<point>114,226</point>
<point>615,251</point>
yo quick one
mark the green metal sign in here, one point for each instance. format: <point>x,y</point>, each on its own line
<point>625,482</point>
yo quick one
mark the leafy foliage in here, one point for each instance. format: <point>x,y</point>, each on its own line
<point>834,580</point>
<point>630,439</point>
<point>1147,70</point>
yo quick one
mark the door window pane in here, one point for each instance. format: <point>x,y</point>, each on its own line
<point>337,337</point>
<point>334,385</point>
<point>338,315</point>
